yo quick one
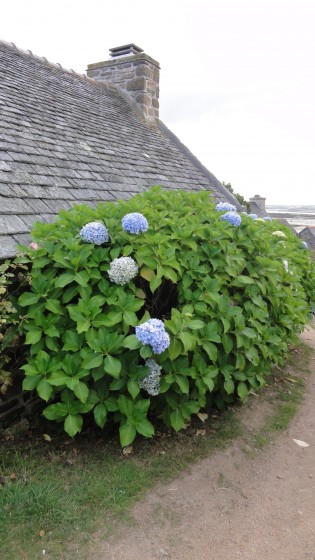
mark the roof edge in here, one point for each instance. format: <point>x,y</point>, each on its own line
<point>195,161</point>
<point>44,60</point>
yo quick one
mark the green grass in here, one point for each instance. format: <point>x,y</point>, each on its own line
<point>70,491</point>
<point>289,393</point>
<point>79,490</point>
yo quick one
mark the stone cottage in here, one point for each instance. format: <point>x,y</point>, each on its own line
<point>308,234</point>
<point>67,138</point>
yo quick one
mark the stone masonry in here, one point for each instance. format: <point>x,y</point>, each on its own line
<point>136,76</point>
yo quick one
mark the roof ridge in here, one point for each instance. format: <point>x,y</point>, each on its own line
<point>43,59</point>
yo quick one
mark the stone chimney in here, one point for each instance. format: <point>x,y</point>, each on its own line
<point>135,74</point>
<point>258,201</point>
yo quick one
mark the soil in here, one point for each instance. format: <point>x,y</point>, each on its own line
<point>233,506</point>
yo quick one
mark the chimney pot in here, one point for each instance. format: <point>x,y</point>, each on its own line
<point>125,50</point>
<point>135,74</point>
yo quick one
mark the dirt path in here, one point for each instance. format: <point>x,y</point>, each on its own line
<point>232,507</point>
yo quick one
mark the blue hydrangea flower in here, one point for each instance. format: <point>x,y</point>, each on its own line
<point>253,216</point>
<point>94,232</point>
<point>134,223</point>
<point>225,207</point>
<point>304,244</point>
<point>153,332</point>
<point>267,219</point>
<point>151,383</point>
<point>233,217</point>
<point>122,270</point>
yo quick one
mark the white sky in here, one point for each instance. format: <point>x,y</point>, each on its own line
<point>237,76</point>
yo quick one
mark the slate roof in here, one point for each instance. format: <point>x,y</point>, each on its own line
<point>66,139</point>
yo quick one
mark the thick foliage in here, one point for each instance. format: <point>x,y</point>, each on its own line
<point>224,296</point>
<point>13,277</point>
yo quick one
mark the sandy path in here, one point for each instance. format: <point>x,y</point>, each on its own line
<point>231,507</point>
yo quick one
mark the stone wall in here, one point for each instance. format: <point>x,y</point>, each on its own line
<point>307,235</point>
<point>137,76</point>
<point>16,403</point>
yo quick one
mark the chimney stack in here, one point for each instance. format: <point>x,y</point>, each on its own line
<point>259,202</point>
<point>135,74</point>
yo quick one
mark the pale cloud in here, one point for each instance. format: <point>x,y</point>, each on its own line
<point>237,78</point>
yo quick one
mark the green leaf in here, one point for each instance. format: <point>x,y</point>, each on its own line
<point>52,344</point>
<point>100,413</point>
<point>252,355</point>
<point>33,335</point>
<point>64,279</point>
<point>249,332</point>
<point>170,274</point>
<point>56,411</point>
<point>28,298</point>
<point>133,388</point>
<point>52,331</point>
<point>92,360</point>
<point>83,326</point>
<point>145,428</point>
<point>208,381</point>
<point>229,386</point>
<point>82,278</point>
<point>177,420</point>
<point>81,391</point>
<point>31,382</point>
<point>210,332</point>
<point>175,349</point>
<point>146,351</point>
<point>44,389</point>
<point>242,390</point>
<point>54,306</point>
<point>140,293</point>
<point>130,318</point>
<point>127,433</point>
<point>147,273</point>
<point>126,406</point>
<point>227,342</point>
<point>155,282</point>
<point>188,341</point>
<point>211,350</point>
<point>59,378</point>
<point>72,341</point>
<point>132,342</point>
<point>195,324</point>
<point>108,320</point>
<point>241,280</point>
<point>73,424</point>
<point>112,366</point>
<point>182,383</point>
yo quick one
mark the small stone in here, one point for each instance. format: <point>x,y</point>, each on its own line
<point>163,553</point>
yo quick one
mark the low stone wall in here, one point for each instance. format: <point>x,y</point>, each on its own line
<point>17,403</point>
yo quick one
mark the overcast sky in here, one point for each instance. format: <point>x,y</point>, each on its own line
<point>237,76</point>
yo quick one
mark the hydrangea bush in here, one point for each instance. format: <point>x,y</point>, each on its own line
<point>174,310</point>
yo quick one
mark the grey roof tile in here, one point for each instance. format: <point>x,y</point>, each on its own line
<point>14,206</point>
<point>65,139</point>
<point>7,246</point>
<point>29,220</point>
<point>22,238</point>
<point>11,224</point>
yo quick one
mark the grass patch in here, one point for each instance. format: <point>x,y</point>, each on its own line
<point>61,495</point>
<point>54,494</point>
<point>288,394</point>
